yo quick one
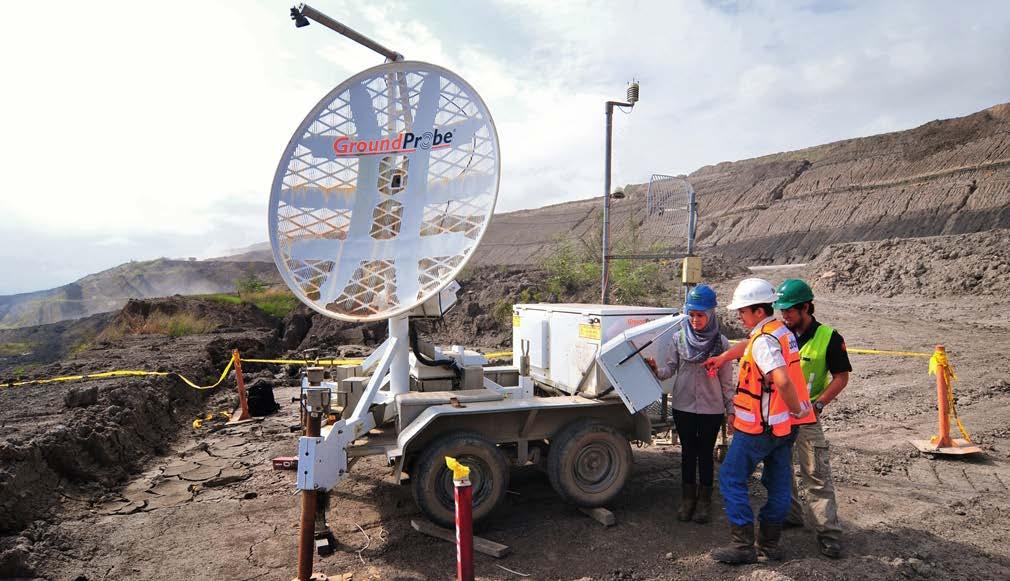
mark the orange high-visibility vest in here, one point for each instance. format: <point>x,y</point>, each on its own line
<point>759,405</point>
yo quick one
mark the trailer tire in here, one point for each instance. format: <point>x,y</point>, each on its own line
<point>431,479</point>
<point>589,463</point>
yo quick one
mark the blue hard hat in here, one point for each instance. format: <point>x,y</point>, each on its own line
<point>701,298</point>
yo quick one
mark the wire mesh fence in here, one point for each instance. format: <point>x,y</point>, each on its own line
<point>671,213</point>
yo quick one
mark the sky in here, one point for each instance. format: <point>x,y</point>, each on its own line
<point>131,131</point>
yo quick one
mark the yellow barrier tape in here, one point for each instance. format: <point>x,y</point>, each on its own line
<point>327,362</point>
<point>938,363</point>
<point>881,352</point>
<point>860,351</point>
<point>224,374</point>
<point>102,375</point>
<point>498,354</point>
<point>125,373</point>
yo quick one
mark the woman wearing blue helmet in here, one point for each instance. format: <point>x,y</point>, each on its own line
<point>700,401</point>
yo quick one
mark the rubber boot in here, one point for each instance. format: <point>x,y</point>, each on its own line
<point>768,541</point>
<point>830,547</point>
<point>688,499</point>
<point>703,510</point>
<point>741,551</point>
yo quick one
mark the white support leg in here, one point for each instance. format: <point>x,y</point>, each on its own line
<point>399,368</point>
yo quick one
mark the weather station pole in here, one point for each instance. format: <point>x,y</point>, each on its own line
<point>605,278</point>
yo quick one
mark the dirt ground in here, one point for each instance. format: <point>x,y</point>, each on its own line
<point>211,507</point>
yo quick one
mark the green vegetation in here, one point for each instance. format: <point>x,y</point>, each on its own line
<point>251,284</point>
<point>14,349</point>
<point>174,325</point>
<point>527,296</point>
<point>79,348</point>
<point>570,269</point>
<point>18,373</point>
<point>275,302</point>
<point>501,312</point>
<point>576,266</point>
<point>223,298</point>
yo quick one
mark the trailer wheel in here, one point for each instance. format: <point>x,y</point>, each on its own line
<point>432,483</point>
<point>589,462</point>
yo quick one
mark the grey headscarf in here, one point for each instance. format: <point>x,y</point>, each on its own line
<point>697,346</point>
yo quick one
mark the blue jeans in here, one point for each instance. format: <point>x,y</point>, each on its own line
<point>745,452</point>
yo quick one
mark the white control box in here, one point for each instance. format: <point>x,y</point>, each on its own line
<point>565,339</point>
<point>622,359</point>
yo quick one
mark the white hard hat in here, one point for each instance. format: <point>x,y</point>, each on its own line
<point>752,291</point>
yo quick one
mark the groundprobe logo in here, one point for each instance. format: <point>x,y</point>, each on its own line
<point>408,142</point>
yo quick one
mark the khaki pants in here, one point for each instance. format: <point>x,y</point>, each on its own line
<point>810,453</point>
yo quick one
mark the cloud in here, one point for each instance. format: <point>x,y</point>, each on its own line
<point>167,135</point>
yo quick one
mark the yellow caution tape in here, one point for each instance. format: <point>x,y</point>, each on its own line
<point>125,373</point>
<point>938,363</point>
<point>102,375</point>
<point>881,352</point>
<point>224,374</point>
<point>498,355</point>
<point>859,351</point>
<point>323,362</point>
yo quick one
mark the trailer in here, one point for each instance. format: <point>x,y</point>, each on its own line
<point>556,407</point>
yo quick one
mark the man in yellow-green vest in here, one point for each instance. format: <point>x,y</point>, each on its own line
<point>826,367</point>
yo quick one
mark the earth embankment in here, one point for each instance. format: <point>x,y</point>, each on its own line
<point>944,177</point>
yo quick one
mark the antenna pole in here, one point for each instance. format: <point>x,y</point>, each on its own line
<point>302,11</point>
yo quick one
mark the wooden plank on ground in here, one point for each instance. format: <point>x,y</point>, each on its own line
<point>481,545</point>
<point>600,515</point>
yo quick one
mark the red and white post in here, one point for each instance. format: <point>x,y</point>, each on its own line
<point>463,495</point>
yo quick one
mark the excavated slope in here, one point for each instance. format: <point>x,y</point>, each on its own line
<point>945,177</point>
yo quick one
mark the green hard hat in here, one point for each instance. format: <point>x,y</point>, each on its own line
<point>792,292</point>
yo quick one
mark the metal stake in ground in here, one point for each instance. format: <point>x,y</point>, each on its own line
<point>463,495</point>
<point>242,413</point>
<point>315,404</point>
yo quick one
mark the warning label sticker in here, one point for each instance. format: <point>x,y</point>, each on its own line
<point>590,331</point>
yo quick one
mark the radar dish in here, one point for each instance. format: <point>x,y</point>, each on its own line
<point>384,191</point>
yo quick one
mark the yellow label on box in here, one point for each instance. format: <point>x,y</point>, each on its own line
<point>691,271</point>
<point>515,320</point>
<point>590,331</point>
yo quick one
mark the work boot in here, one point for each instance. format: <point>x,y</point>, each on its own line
<point>741,551</point>
<point>704,508</point>
<point>688,499</point>
<point>768,541</point>
<point>793,521</point>
<point>830,547</point>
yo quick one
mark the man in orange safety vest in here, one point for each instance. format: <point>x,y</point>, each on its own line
<point>771,399</point>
